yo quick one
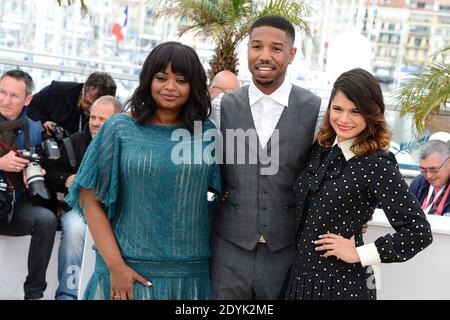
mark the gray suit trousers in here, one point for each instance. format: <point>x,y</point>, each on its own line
<point>240,274</point>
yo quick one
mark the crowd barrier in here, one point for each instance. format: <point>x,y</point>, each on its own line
<point>13,267</point>
<point>425,277</point>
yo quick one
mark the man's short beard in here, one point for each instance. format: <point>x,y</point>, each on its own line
<point>266,83</point>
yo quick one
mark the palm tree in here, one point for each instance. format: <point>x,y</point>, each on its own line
<point>227,22</point>
<point>427,92</point>
<point>83,6</point>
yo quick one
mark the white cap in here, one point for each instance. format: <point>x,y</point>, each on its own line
<point>441,135</point>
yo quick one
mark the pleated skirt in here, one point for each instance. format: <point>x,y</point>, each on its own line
<point>170,280</point>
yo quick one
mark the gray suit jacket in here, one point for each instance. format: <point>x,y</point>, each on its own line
<point>260,204</point>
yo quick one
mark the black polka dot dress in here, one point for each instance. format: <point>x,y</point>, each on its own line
<point>337,196</point>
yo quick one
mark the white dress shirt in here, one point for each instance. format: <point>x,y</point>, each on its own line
<point>267,109</point>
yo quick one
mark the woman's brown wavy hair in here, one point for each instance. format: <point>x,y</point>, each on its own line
<point>363,89</point>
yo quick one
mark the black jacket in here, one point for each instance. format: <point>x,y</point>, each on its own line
<point>58,102</point>
<point>419,187</point>
<point>59,170</point>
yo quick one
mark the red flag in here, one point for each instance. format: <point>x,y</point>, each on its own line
<point>119,28</point>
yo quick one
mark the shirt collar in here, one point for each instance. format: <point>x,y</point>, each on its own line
<point>281,95</point>
<point>345,147</point>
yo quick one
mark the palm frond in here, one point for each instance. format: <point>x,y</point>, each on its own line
<point>425,94</point>
<point>411,145</point>
<point>227,22</point>
<point>442,51</point>
<point>207,17</point>
<point>294,11</point>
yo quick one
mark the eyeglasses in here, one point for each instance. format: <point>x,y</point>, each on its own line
<point>432,170</point>
<point>14,97</point>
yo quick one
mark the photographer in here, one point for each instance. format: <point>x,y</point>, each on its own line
<point>67,104</point>
<point>60,174</point>
<point>20,132</point>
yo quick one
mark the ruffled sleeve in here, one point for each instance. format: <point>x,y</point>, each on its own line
<point>413,233</point>
<point>99,170</point>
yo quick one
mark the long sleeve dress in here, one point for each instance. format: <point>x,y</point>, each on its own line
<point>157,208</point>
<point>336,195</point>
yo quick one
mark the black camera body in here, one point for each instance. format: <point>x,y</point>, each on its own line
<point>7,199</point>
<point>50,149</point>
<point>58,133</point>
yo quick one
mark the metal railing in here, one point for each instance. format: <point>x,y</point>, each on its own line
<point>64,68</point>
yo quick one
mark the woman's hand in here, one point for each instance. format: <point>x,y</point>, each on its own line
<point>69,181</point>
<point>122,280</point>
<point>338,246</point>
<point>224,197</point>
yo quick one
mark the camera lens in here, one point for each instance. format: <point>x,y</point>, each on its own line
<point>35,181</point>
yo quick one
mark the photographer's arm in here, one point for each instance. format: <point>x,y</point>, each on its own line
<point>58,171</point>
<point>10,162</point>
<point>56,179</point>
<point>122,276</point>
<point>40,106</point>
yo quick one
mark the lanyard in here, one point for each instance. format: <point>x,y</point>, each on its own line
<point>429,203</point>
<point>440,207</point>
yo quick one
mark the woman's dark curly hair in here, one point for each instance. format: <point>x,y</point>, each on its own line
<point>363,89</point>
<point>183,60</point>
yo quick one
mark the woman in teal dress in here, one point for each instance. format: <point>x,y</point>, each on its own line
<point>143,184</point>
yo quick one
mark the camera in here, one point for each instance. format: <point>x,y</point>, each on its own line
<point>50,149</point>
<point>36,184</point>
<point>59,133</point>
<point>6,201</point>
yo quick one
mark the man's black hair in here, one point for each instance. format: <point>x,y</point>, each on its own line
<point>275,22</point>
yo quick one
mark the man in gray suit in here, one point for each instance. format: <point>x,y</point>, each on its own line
<point>254,229</point>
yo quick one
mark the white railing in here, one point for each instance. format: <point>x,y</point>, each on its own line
<point>426,275</point>
<point>103,65</point>
<point>52,67</point>
<point>45,67</point>
<point>70,58</point>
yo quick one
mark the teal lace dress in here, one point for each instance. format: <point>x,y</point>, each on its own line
<point>157,207</point>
